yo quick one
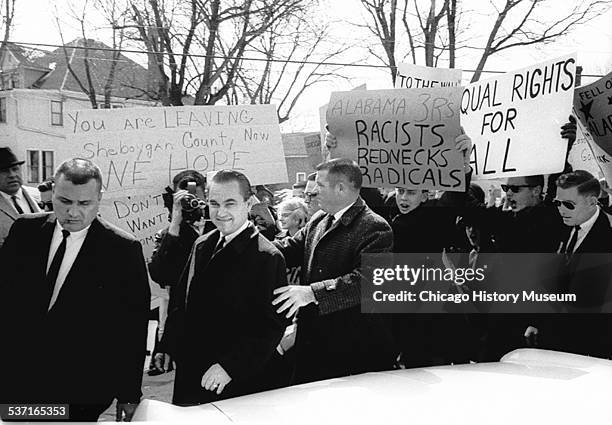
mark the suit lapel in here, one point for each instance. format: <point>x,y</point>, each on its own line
<point>34,208</point>
<point>7,208</point>
<point>591,240</point>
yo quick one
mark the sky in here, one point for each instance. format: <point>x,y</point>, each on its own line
<point>593,41</point>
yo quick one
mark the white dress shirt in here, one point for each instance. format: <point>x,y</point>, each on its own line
<point>585,228</point>
<point>21,201</point>
<point>74,242</point>
<point>228,238</point>
<point>339,214</point>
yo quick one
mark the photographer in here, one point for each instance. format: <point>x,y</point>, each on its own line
<point>173,244</point>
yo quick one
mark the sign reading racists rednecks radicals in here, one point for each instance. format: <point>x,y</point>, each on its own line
<point>400,137</point>
<point>139,150</point>
<point>593,107</point>
<point>410,76</point>
<point>514,120</point>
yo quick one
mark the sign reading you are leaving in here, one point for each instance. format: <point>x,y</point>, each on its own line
<point>139,150</point>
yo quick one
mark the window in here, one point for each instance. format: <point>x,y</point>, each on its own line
<point>40,166</point>
<point>2,109</point>
<point>300,177</point>
<point>57,112</point>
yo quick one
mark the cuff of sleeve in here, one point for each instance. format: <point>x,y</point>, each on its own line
<point>325,295</point>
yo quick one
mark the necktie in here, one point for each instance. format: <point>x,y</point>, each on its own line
<point>55,265</point>
<point>472,258</point>
<point>16,205</point>
<point>569,250</point>
<point>220,245</point>
<point>329,222</point>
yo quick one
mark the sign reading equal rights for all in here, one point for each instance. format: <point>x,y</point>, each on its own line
<point>514,120</point>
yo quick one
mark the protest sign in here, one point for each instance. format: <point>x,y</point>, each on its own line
<point>313,149</point>
<point>400,137</point>
<point>139,150</point>
<point>514,120</point>
<point>323,121</point>
<point>593,107</point>
<point>602,158</point>
<point>581,156</point>
<point>410,76</point>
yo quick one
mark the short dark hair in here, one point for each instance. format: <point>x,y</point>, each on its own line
<point>535,180</point>
<point>181,179</point>
<point>342,167</point>
<point>226,176</point>
<point>584,182</point>
<point>311,177</point>
<point>46,186</point>
<point>79,171</point>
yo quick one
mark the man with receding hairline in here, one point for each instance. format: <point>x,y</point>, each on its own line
<point>333,337</point>
<point>71,283</point>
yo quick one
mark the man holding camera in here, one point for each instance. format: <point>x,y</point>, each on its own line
<point>173,244</point>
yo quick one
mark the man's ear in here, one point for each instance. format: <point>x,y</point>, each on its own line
<point>537,191</point>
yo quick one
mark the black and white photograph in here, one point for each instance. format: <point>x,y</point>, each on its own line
<point>306,211</point>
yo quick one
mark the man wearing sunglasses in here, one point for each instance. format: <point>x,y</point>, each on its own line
<point>586,245</point>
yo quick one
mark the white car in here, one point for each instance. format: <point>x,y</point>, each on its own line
<point>527,386</point>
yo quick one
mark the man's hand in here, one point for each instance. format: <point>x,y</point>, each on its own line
<point>125,411</point>
<point>177,212</point>
<point>294,297</point>
<point>215,379</point>
<point>330,140</point>
<point>568,131</point>
<point>463,144</point>
<point>531,336</point>
<point>162,362</point>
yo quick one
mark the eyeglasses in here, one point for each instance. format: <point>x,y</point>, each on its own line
<point>566,204</point>
<point>513,187</point>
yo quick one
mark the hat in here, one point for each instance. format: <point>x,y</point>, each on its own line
<point>8,159</point>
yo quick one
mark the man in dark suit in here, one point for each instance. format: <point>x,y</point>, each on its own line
<point>222,328</point>
<point>333,337</point>
<point>74,306</point>
<point>587,248</point>
<point>14,198</point>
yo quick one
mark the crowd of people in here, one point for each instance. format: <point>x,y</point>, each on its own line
<point>266,292</point>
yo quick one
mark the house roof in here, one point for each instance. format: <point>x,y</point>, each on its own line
<point>130,78</point>
<point>23,56</point>
<point>293,143</point>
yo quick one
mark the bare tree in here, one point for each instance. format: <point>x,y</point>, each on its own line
<point>8,13</point>
<point>295,50</point>
<point>517,23</point>
<point>383,15</point>
<point>528,26</point>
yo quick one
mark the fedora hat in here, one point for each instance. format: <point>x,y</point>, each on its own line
<point>8,159</point>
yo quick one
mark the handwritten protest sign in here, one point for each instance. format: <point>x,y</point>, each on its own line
<point>602,158</point>
<point>581,156</point>
<point>593,107</point>
<point>514,120</point>
<point>139,150</point>
<point>410,76</point>
<point>400,137</point>
<point>313,149</point>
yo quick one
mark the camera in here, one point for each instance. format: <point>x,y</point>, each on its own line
<point>193,207</point>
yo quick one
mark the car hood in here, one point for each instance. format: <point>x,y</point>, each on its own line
<point>526,386</point>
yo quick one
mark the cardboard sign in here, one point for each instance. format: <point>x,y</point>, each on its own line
<point>593,107</point>
<point>602,158</point>
<point>410,76</point>
<point>400,137</point>
<point>313,149</point>
<point>581,156</point>
<point>139,150</point>
<point>514,120</point>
